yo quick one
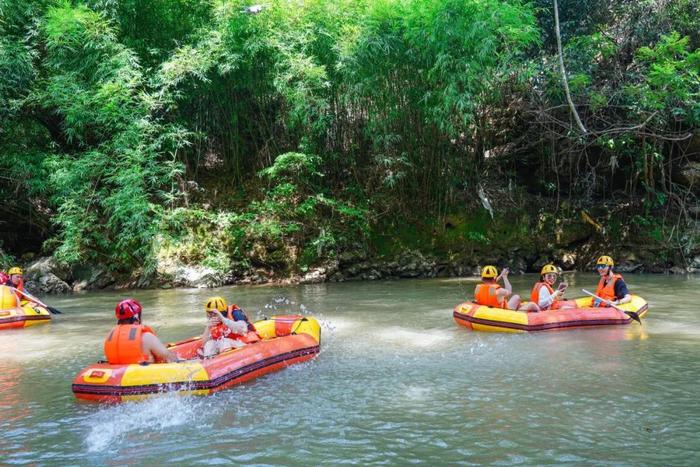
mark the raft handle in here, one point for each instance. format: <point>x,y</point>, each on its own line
<point>294,333</point>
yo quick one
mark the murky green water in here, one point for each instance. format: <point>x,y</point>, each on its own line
<point>397,381</point>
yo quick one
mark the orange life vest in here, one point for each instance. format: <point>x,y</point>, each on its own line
<point>535,295</point>
<point>607,290</point>
<point>485,294</point>
<point>220,331</point>
<point>124,344</point>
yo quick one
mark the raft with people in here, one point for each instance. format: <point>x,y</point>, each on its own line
<point>282,341</point>
<point>485,318</point>
<point>496,309</point>
<point>16,313</point>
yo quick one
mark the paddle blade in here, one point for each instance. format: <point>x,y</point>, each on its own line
<point>634,316</point>
<point>53,310</point>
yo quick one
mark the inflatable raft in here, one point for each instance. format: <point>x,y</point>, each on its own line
<point>484,318</point>
<point>16,314</point>
<point>286,340</point>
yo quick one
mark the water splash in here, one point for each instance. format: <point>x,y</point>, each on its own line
<point>116,425</point>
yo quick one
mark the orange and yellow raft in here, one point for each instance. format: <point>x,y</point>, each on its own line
<point>489,319</point>
<point>15,314</point>
<point>286,340</point>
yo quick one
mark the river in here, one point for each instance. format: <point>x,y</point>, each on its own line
<point>396,382</point>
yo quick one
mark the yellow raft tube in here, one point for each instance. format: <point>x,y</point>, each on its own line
<point>489,319</point>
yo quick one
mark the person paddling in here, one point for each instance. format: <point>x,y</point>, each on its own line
<point>16,278</point>
<point>16,281</point>
<point>490,293</point>
<point>611,286</point>
<point>543,292</point>
<point>132,342</point>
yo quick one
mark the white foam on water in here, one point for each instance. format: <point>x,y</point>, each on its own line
<point>40,346</point>
<point>443,313</point>
<point>472,279</point>
<point>676,328</point>
<point>344,325</point>
<point>417,393</point>
<point>406,337</point>
<point>111,426</point>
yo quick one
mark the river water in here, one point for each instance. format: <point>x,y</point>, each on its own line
<point>396,382</point>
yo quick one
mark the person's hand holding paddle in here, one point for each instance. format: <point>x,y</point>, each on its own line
<point>631,314</point>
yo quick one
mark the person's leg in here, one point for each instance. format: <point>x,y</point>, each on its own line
<point>514,302</point>
<point>210,348</point>
<point>529,307</point>
<point>227,344</point>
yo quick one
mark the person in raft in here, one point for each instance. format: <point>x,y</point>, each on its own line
<point>489,293</point>
<point>225,332</point>
<point>611,286</point>
<point>16,281</point>
<point>132,342</point>
<point>543,292</point>
<point>4,278</point>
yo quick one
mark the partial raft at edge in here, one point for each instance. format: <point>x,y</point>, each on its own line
<point>28,313</point>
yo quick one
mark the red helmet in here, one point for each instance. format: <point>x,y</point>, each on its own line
<point>128,309</point>
<point>4,278</point>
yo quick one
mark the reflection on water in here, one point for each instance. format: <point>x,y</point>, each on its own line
<point>396,381</point>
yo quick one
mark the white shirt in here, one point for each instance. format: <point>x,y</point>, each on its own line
<point>546,299</point>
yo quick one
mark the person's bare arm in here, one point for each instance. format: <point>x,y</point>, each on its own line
<point>237,327</point>
<point>507,288</point>
<point>205,334</point>
<point>153,346</point>
<point>626,299</point>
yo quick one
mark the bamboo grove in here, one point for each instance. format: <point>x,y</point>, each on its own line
<point>279,134</point>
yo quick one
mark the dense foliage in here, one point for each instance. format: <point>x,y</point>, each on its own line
<point>282,134</point>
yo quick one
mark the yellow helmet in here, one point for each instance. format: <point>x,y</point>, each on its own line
<point>15,270</point>
<point>605,260</point>
<point>489,272</point>
<point>215,303</point>
<point>549,269</point>
<point>8,299</point>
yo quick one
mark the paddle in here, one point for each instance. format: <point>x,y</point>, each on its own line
<point>36,300</point>
<point>631,314</point>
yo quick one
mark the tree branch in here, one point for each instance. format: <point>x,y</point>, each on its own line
<point>563,71</point>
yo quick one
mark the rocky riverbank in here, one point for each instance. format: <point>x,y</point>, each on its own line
<point>46,276</point>
<point>520,239</point>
